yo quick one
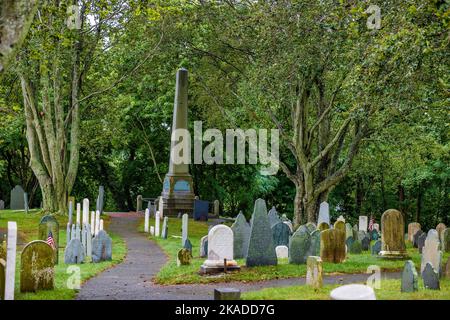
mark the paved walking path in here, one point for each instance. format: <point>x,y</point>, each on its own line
<point>132,279</point>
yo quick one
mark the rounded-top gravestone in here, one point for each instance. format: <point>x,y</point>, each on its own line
<point>36,267</point>
<point>49,226</point>
<point>413,227</point>
<point>220,246</point>
<point>101,247</point>
<point>281,232</point>
<point>392,235</point>
<point>353,292</point>
<point>340,225</point>
<point>332,246</point>
<point>299,246</point>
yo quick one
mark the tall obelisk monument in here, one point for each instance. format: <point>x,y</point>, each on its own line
<point>178,193</point>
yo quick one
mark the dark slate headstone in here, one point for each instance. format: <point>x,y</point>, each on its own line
<point>430,278</point>
<point>261,250</point>
<point>416,238</point>
<point>188,245</point>
<point>74,252</point>
<point>356,247</point>
<point>16,202</point>
<point>36,267</point>
<point>421,241</point>
<point>349,243</point>
<point>314,249</point>
<point>376,248</point>
<point>281,232</point>
<point>49,225</point>
<point>409,278</point>
<point>299,246</point>
<point>201,209</point>
<point>241,236</point>
<point>101,247</point>
<point>274,218</point>
<point>365,243</point>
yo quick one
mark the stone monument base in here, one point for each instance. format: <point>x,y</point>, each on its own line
<point>204,270</point>
<point>394,255</point>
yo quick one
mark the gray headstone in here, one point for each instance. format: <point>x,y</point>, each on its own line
<point>241,236</point>
<point>204,247</point>
<point>188,245</point>
<point>416,236</point>
<point>349,243</point>
<point>281,232</point>
<point>74,252</point>
<point>101,198</point>
<point>101,247</point>
<point>356,247</point>
<point>409,278</point>
<point>324,213</point>
<point>361,235</point>
<point>365,243</point>
<point>299,246</point>
<point>165,228</point>
<point>376,248</point>
<point>348,230</point>
<point>430,278</point>
<point>261,250</point>
<point>25,202</point>
<point>274,218</point>
<point>184,228</point>
<point>314,249</point>
<point>421,241</point>
<point>17,198</point>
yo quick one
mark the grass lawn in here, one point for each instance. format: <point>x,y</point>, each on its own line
<point>27,226</point>
<point>172,274</point>
<point>389,290</point>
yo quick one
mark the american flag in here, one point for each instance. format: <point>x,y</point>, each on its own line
<point>371,222</point>
<point>50,240</point>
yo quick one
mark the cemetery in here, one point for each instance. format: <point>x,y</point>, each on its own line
<point>224,150</point>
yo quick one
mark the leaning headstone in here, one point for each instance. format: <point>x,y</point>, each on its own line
<point>274,218</point>
<point>282,252</point>
<point>280,232</point>
<point>241,236</point>
<point>376,248</point>
<point>165,228</point>
<point>332,246</point>
<point>356,247</point>
<point>299,246</point>
<point>261,250</point>
<point>314,272</point>
<point>392,237</point>
<point>421,242</point>
<point>16,202</point>
<point>314,249</point>
<point>36,267</point>
<point>324,213</point>
<point>220,249</point>
<point>430,278</point>
<point>204,247</point>
<point>440,230</point>
<point>413,227</point>
<point>184,257</point>
<point>101,247</point>
<point>50,226</point>
<point>409,278</point>
<point>74,252</point>
<point>353,292</point>
<point>139,203</point>
<point>184,228</point>
<point>431,254</point>
<point>446,240</point>
<point>363,220</point>
<point>10,260</point>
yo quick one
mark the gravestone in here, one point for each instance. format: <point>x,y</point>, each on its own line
<point>139,203</point>
<point>324,213</point>
<point>165,228</point>
<point>184,257</point>
<point>421,242</point>
<point>430,278</point>
<point>85,217</point>
<point>146,220</point>
<point>78,220</point>
<point>227,294</point>
<point>416,236</point>
<point>282,252</point>
<point>201,209</point>
<point>289,224</point>
<point>413,227</point>
<point>314,249</point>
<point>88,243</point>
<point>314,272</point>
<point>409,278</point>
<point>340,225</point>
<point>11,247</point>
<point>392,236</point>
<point>2,205</point>
<point>204,247</point>
<point>349,243</point>
<point>220,248</point>
<point>68,233</point>
<point>353,292</point>
<point>365,244</point>
<point>311,227</point>
<point>261,250</point>
<point>152,230</point>
<point>341,218</point>
<point>376,248</point>
<point>157,225</point>
<point>432,233</point>
<point>273,217</point>
<point>101,247</point>
<point>356,247</point>
<point>440,230</point>
<point>92,224</point>
<point>188,245</point>
<point>361,235</point>
<point>332,246</point>
<point>74,252</point>
<point>37,267</point>
<point>348,231</point>
<point>446,271</point>
<point>280,232</point>
<point>299,246</point>
<point>446,240</point>
<point>71,204</point>
<point>241,236</point>
<point>17,202</point>
<point>184,228</point>
<point>216,208</point>
<point>363,223</point>
<point>47,225</point>
<point>431,254</point>
<point>323,226</point>
<point>101,199</point>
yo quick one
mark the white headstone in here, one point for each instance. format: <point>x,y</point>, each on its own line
<point>146,221</point>
<point>433,234</point>
<point>431,253</point>
<point>101,224</point>
<point>282,252</point>
<point>353,292</point>
<point>363,220</point>
<point>10,273</point>
<point>97,222</point>
<point>92,223</point>
<point>152,230</point>
<point>157,223</point>
<point>324,213</point>
<point>341,218</point>
<point>78,213</point>
<point>184,228</point>
<point>220,246</point>
<point>85,211</point>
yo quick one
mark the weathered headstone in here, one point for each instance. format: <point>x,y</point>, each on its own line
<point>201,210</point>
<point>16,202</point>
<point>37,267</point>
<point>332,246</point>
<point>241,236</point>
<point>88,242</point>
<point>314,249</point>
<point>92,224</point>
<point>314,272</point>
<point>323,226</point>
<point>74,252</point>
<point>324,213</point>
<point>348,230</point>
<point>204,247</point>
<point>25,202</point>
<point>416,236</point>
<point>311,227</point>
<point>97,222</point>
<point>71,204</point>
<point>432,233</point>
<point>446,240</point>
<point>165,228</point>
<point>139,203</point>
<point>101,247</point>
<point>280,232</point>
<point>431,254</point>
<point>356,247</point>
<point>421,241</point>
<point>282,252</point>
<point>299,246</point>
<point>413,227</point>
<point>340,225</point>
<point>184,228</point>
<point>376,248</point>
<point>409,278</point>
<point>101,227</point>
<point>349,242</point>
<point>184,257</point>
<point>363,221</point>
<point>365,244</point>
<point>50,226</point>
<point>216,208</point>
<point>152,230</point>
<point>430,277</point>
<point>10,260</point>
<point>85,218</point>
<point>274,218</point>
<point>101,199</point>
<point>361,235</point>
<point>78,221</point>
<point>392,237</point>
<point>261,250</point>
<point>353,292</point>
<point>220,248</point>
<point>440,230</point>
<point>341,218</point>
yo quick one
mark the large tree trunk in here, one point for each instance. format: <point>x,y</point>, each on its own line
<point>298,206</point>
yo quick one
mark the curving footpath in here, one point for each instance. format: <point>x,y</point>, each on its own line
<point>132,279</point>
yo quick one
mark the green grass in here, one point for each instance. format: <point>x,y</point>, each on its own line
<point>389,290</point>
<point>27,225</point>
<point>172,274</point>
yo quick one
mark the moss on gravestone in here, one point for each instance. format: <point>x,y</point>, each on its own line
<point>332,246</point>
<point>36,267</point>
<point>340,225</point>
